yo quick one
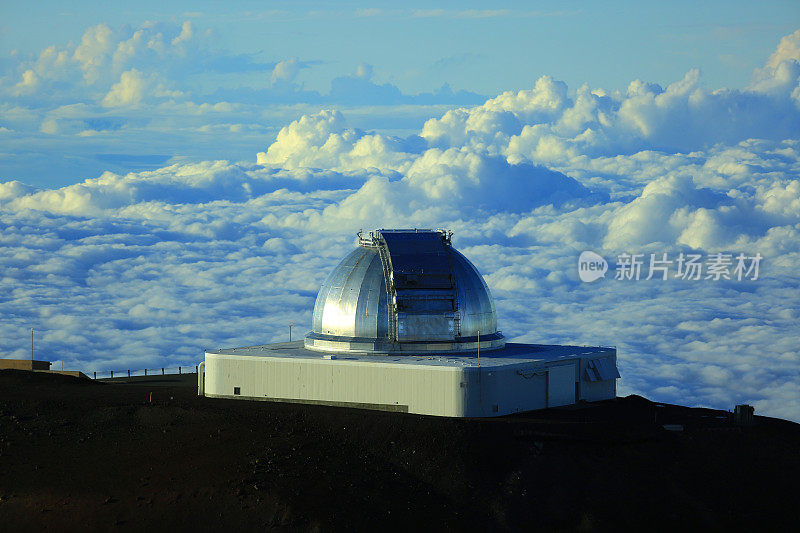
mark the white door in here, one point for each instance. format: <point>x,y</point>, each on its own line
<point>560,385</point>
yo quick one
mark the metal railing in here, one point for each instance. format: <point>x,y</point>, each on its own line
<point>163,371</point>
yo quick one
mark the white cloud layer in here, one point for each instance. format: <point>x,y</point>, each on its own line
<point>148,268</point>
<point>166,84</point>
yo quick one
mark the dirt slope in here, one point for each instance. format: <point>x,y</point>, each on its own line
<point>77,454</point>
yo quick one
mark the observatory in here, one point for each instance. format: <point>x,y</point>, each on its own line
<point>406,323</point>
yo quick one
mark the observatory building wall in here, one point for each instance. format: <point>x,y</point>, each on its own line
<point>530,378</point>
<point>599,389</point>
<point>353,383</point>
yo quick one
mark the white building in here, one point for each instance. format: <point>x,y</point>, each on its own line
<point>406,323</point>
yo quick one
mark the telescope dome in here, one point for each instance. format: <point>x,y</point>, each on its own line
<point>404,291</point>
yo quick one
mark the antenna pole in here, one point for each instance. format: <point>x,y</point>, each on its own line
<point>290,332</point>
<point>480,374</point>
<point>31,344</point>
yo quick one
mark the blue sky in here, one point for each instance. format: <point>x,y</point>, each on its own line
<point>470,45</point>
<point>179,177</point>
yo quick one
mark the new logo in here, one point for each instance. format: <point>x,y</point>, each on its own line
<point>591,267</point>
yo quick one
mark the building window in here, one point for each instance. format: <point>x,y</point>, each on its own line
<point>237,391</point>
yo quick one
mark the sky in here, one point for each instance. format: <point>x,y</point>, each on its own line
<point>182,177</point>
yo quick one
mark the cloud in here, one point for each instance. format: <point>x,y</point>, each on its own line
<point>547,124</point>
<point>28,84</point>
<point>94,51</point>
<point>14,189</point>
<point>780,73</point>
<point>133,87</point>
<point>130,89</point>
<point>286,71</point>
<point>203,255</point>
<point>167,82</point>
<point>186,34</point>
<point>359,88</point>
<point>324,140</point>
<point>788,50</point>
<point>86,71</point>
<point>183,59</point>
<point>147,268</point>
<point>471,180</point>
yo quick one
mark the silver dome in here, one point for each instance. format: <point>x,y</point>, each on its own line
<point>404,291</point>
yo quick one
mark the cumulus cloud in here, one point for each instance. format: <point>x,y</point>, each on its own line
<point>186,34</point>
<point>286,71</point>
<point>456,177</point>
<point>130,89</point>
<point>171,260</point>
<point>194,95</point>
<point>28,84</point>
<point>133,87</point>
<point>184,58</point>
<point>94,51</point>
<point>87,71</point>
<point>788,50</point>
<point>14,189</point>
<point>548,124</point>
<point>324,140</point>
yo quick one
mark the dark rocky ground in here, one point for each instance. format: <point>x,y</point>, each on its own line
<point>82,455</point>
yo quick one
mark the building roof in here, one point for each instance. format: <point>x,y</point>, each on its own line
<point>510,354</point>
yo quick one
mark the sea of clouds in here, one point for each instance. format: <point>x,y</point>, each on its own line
<point>146,269</point>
